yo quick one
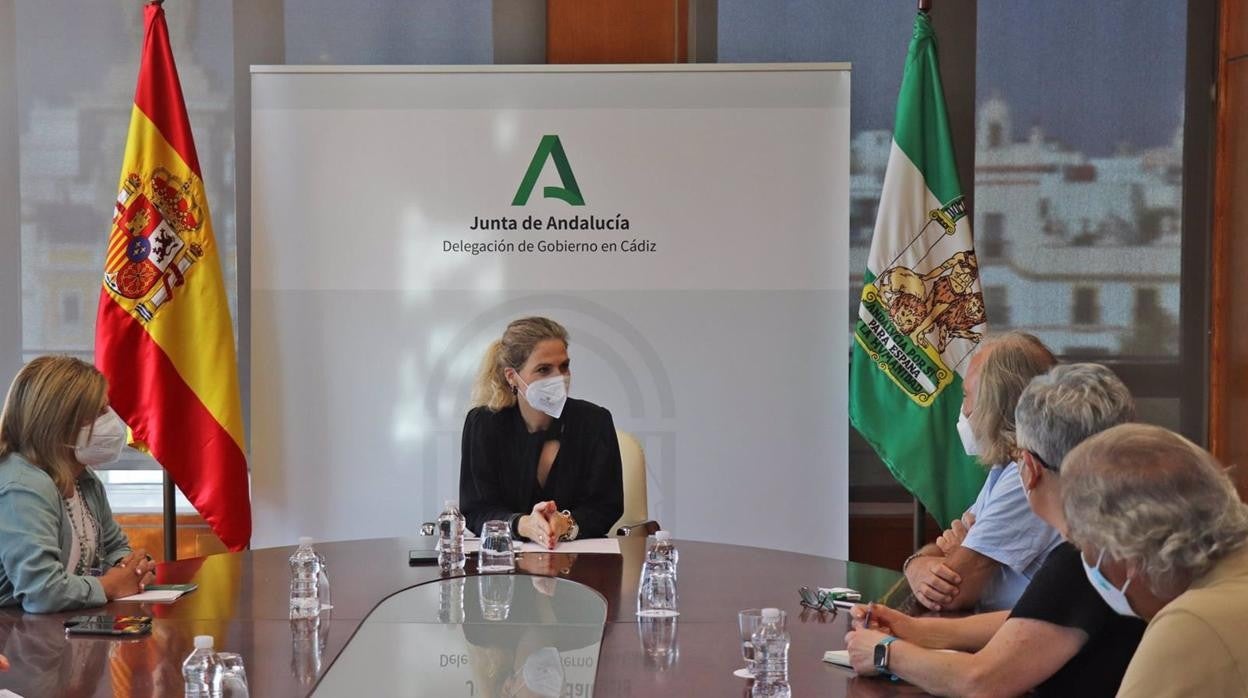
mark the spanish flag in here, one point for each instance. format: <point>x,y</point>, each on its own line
<point>163,336</point>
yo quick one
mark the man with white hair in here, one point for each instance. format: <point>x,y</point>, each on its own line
<point>1060,639</point>
<point>986,560</point>
<point>1164,537</point>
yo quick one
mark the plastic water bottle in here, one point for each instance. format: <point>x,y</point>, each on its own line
<point>664,549</point>
<point>201,672</point>
<point>305,571</point>
<point>771,658</point>
<point>451,526</point>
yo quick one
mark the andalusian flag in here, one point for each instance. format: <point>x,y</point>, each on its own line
<point>922,313</point>
<point>163,336</point>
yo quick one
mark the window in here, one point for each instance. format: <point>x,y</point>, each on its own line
<point>76,67</point>
<point>1085,308</point>
<point>1079,166</point>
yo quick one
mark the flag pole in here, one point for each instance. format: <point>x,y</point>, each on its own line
<point>920,524</point>
<point>171,520</point>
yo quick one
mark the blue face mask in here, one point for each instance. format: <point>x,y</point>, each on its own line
<point>1114,597</point>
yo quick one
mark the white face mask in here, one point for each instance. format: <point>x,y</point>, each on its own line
<point>100,442</point>
<point>548,395</point>
<point>1114,597</point>
<point>967,436</point>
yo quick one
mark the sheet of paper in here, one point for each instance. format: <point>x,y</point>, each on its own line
<point>153,597</point>
<point>6,693</point>
<point>473,545</point>
<point>607,546</point>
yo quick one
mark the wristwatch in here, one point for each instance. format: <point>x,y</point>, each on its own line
<point>881,654</point>
<point>574,529</point>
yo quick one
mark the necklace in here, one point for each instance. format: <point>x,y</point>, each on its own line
<point>83,523</point>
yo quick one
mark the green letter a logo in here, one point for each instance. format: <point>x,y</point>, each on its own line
<point>550,147</point>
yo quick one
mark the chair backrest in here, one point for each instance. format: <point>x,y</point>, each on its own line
<point>633,459</point>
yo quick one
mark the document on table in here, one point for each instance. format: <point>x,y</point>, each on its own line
<point>6,693</point>
<point>841,657</point>
<point>605,546</point>
<point>160,593</point>
<point>838,657</point>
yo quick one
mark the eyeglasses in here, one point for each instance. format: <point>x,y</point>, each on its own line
<point>1041,461</point>
<point>822,601</point>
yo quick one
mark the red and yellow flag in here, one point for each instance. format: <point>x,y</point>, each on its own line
<point>163,336</point>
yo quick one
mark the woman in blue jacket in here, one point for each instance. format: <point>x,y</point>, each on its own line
<point>60,547</point>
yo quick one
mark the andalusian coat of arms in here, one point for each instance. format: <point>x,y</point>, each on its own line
<point>922,316</point>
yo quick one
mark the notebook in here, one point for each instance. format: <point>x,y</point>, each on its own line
<point>841,657</point>
<point>161,593</point>
<point>838,657</point>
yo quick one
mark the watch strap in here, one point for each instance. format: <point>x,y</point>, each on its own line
<point>888,640</point>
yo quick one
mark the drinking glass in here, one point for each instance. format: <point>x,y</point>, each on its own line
<point>656,595</point>
<point>496,591</point>
<point>233,675</point>
<point>496,552</point>
<point>748,621</point>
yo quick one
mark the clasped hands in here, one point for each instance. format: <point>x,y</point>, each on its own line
<point>129,576</point>
<point>544,525</point>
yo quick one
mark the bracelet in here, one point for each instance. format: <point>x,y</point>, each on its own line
<point>912,558</point>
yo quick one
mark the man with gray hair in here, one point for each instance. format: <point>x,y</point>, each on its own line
<point>1060,639</point>
<point>1164,536</point>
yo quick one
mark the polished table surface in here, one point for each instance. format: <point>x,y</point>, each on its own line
<point>243,602</point>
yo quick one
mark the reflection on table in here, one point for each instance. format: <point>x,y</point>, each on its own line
<point>471,634</point>
<point>491,635</point>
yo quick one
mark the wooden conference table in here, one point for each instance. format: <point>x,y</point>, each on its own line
<point>243,602</point>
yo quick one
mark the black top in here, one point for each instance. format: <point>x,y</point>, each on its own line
<point>1061,594</point>
<point>498,467</point>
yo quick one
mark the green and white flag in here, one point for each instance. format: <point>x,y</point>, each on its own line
<point>922,312</point>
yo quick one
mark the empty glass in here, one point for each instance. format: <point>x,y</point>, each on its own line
<point>656,595</point>
<point>496,553</point>
<point>496,591</point>
<point>749,621</point>
<point>233,675</point>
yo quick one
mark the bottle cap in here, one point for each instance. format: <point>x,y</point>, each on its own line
<point>663,535</point>
<point>203,642</point>
<point>771,614</point>
<point>305,540</point>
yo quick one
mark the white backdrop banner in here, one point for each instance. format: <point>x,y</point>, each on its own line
<point>687,224</point>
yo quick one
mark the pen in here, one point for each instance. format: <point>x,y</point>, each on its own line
<point>866,620</point>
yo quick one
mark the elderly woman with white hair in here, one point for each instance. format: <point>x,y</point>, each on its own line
<point>1060,639</point>
<point>1164,536</point>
